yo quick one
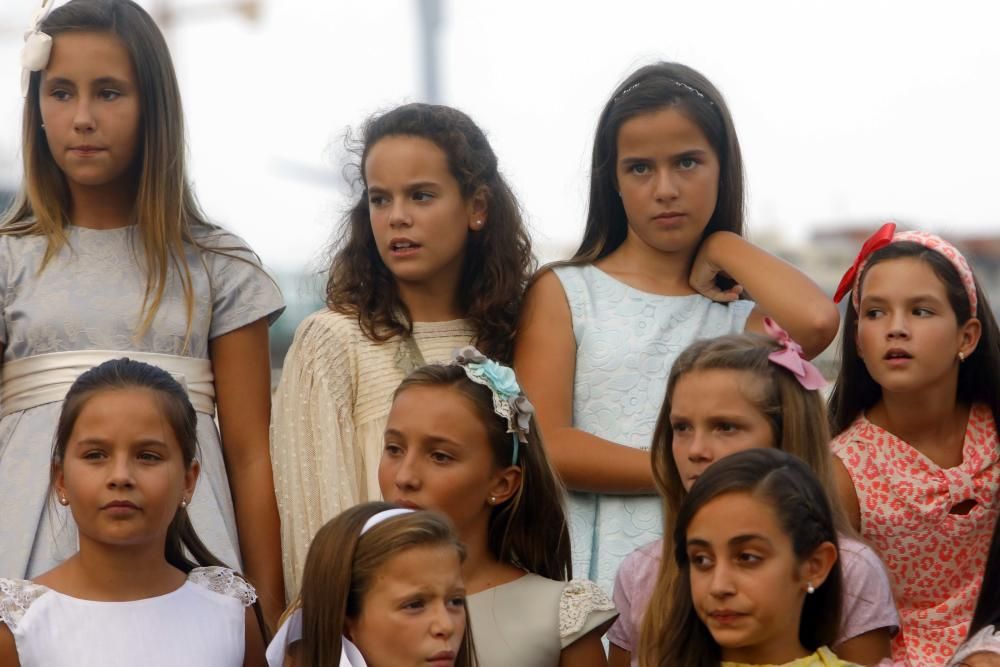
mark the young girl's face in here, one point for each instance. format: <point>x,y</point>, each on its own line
<point>908,334</point>
<point>89,102</point>
<point>438,456</point>
<point>712,417</point>
<point>414,613</point>
<point>747,586</point>
<point>123,471</point>
<point>419,217</point>
<point>668,178</point>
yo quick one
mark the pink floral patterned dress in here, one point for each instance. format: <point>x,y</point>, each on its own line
<point>935,558</point>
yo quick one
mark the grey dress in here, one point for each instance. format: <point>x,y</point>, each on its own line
<point>89,297</point>
<point>529,621</point>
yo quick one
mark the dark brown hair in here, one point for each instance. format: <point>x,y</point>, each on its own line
<point>184,549</point>
<point>797,417</point>
<point>514,533</point>
<point>651,88</point>
<point>341,565</point>
<point>978,376</point>
<point>498,257</point>
<point>801,505</point>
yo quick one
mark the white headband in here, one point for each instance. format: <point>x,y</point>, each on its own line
<point>37,47</point>
<point>291,630</point>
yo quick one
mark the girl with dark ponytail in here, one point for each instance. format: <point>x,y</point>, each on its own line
<point>125,463</point>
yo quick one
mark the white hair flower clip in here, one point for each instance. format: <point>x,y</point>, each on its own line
<point>37,47</point>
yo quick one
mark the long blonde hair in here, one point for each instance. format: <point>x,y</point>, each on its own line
<point>798,421</point>
<point>165,204</point>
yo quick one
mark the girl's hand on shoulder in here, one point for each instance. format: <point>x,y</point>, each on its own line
<point>705,270</point>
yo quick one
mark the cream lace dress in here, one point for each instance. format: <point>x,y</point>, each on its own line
<point>328,418</point>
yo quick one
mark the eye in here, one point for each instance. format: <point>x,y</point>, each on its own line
<point>150,457</point>
<point>457,601</point>
<point>873,313</point>
<point>921,311</point>
<point>414,605</point>
<point>59,94</point>
<point>422,196</point>
<point>376,200</point>
<point>441,457</point>
<point>749,558</point>
<point>680,427</point>
<point>93,455</point>
<point>109,95</point>
<point>700,561</point>
<point>728,427</point>
<point>687,163</point>
<point>639,168</point>
<point>392,449</point>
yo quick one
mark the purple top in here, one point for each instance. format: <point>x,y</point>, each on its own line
<point>868,603</point>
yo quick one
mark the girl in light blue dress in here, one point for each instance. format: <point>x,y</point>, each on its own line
<point>663,262</point>
<point>105,253</point>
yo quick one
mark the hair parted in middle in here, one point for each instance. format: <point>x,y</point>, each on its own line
<point>498,257</point>
<point>514,536</point>
<point>797,417</point>
<point>658,86</point>
<point>341,566</point>
<point>803,510</point>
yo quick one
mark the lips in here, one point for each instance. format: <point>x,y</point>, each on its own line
<point>407,504</point>
<point>86,149</point>
<point>120,505</point>
<point>726,616</point>
<point>442,658</point>
<point>403,246</point>
<point>897,353</point>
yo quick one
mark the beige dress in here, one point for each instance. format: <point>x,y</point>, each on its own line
<point>327,420</point>
<point>529,621</point>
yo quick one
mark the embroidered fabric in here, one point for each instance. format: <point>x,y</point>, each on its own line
<point>224,581</point>
<point>580,598</point>
<point>16,595</point>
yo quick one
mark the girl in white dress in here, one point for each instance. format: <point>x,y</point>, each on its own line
<point>105,252</point>
<point>142,589</point>
<point>382,587</point>
<point>461,439</point>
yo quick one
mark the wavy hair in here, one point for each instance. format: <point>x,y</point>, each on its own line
<point>797,417</point>
<point>803,510</point>
<point>514,536</point>
<point>165,206</point>
<point>498,257</point>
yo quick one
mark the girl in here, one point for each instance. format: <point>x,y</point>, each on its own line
<point>915,406</point>
<point>124,464</point>
<point>461,439</point>
<point>432,256</point>
<point>382,587</point>
<point>105,251</point>
<point>759,582</point>
<point>725,395</point>
<point>662,247</point>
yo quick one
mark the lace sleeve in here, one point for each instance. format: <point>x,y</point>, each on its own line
<point>16,595</point>
<point>583,607</point>
<point>224,581</point>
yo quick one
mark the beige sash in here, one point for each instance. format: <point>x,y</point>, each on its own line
<point>45,378</point>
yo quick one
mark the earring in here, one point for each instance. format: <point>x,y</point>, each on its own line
<point>63,500</point>
<point>810,589</point>
<point>184,503</point>
<point>478,224</point>
<point>493,500</point>
<point>961,357</point>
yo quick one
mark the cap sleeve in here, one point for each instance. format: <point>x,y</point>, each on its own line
<point>224,581</point>
<point>583,607</point>
<point>242,291</point>
<point>16,596</point>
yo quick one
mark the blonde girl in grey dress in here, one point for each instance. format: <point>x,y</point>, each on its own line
<point>105,253</point>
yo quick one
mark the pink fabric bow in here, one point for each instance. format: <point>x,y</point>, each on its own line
<point>879,239</point>
<point>792,358</point>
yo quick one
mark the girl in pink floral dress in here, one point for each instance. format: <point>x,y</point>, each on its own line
<point>916,406</point>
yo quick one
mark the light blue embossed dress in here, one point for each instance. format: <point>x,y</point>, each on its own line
<point>626,342</point>
<point>89,297</point>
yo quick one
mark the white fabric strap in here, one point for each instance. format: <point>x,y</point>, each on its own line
<point>46,378</point>
<point>384,515</point>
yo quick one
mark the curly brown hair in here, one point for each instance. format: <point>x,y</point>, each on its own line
<point>498,259</point>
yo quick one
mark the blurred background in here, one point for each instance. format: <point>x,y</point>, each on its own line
<point>848,112</point>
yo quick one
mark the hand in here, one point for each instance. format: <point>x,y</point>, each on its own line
<point>705,274</point>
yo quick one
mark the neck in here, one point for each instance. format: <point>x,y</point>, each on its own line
<point>650,269</point>
<point>434,300</point>
<point>481,569</point>
<point>105,207</point>
<point>767,654</point>
<point>929,415</point>
<point>122,573</point>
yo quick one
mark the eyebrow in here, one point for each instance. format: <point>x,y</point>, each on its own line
<point>733,541</point>
<point>409,186</point>
<point>692,152</point>
<point>102,81</point>
<point>911,299</point>
<point>144,442</point>
<point>433,439</point>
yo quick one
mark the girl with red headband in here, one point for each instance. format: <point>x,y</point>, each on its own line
<point>916,406</point>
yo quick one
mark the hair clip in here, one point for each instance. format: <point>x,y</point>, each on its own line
<point>37,47</point>
<point>509,401</point>
<point>792,358</point>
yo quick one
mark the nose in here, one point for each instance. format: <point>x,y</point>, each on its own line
<point>399,214</point>
<point>898,326</point>
<point>83,119</point>
<point>444,623</point>
<point>120,474</point>
<point>722,585</point>
<point>666,185</point>
<point>407,477</point>
<point>699,447</point>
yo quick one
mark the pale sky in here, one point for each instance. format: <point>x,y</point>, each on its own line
<point>853,110</point>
